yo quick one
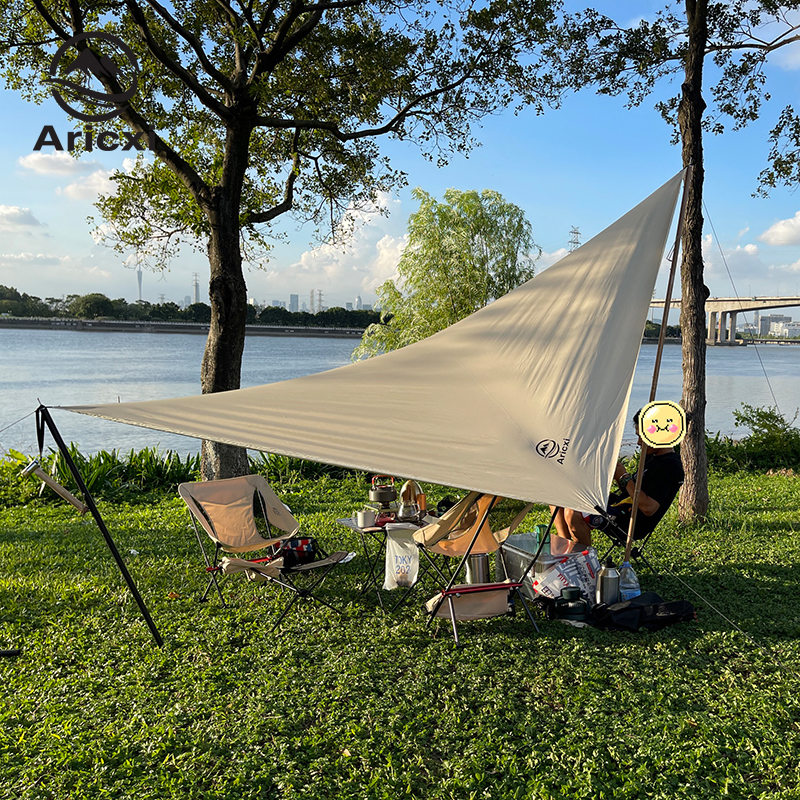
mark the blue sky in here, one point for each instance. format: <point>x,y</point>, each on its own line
<point>583,165</point>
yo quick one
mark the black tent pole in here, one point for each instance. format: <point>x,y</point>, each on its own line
<point>43,418</point>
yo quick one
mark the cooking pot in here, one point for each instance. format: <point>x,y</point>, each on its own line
<point>382,492</point>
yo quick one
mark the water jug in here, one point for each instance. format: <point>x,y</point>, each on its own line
<point>628,582</point>
<point>608,584</point>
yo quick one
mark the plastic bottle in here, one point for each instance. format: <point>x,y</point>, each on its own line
<point>608,584</point>
<point>540,531</point>
<point>628,582</point>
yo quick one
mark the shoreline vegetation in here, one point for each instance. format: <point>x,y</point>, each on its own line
<point>373,705</point>
<point>98,312</point>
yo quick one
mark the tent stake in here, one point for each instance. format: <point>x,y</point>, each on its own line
<point>657,367</point>
<point>43,419</point>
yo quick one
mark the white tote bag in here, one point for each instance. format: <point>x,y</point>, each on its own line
<point>402,557</point>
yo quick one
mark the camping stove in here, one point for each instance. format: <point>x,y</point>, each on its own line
<point>384,512</point>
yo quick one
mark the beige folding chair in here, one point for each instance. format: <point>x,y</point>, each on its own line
<point>462,531</point>
<point>227,510</point>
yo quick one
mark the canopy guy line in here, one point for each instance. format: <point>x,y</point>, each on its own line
<point>727,619</point>
<point>22,419</point>
<point>736,295</point>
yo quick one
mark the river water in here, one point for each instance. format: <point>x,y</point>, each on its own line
<point>73,367</point>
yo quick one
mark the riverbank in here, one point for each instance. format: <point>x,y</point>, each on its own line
<point>133,326</point>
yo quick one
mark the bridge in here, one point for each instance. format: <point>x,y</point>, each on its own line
<point>721,313</point>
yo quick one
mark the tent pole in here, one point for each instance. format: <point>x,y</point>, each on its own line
<point>43,419</point>
<point>659,352</point>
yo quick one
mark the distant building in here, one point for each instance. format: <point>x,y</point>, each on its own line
<point>304,307</point>
<point>769,324</point>
<point>348,306</point>
<point>366,306</point>
<point>187,301</point>
<point>294,303</point>
<point>792,330</point>
<point>278,303</point>
<point>358,304</point>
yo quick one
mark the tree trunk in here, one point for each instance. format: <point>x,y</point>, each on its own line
<point>693,503</point>
<point>222,359</point>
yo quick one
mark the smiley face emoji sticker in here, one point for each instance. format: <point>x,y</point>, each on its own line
<point>662,424</point>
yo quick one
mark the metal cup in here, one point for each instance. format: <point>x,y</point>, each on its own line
<point>365,518</point>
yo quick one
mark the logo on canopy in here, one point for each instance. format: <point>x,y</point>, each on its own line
<point>548,448</point>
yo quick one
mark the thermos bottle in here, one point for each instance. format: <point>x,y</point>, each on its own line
<point>608,584</point>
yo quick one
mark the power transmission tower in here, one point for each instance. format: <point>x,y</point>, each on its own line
<point>574,239</point>
<point>319,299</point>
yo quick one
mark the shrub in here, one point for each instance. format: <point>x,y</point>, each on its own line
<point>773,442</point>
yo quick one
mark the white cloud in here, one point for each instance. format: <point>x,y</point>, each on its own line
<point>59,163</point>
<point>16,259</point>
<point>89,187</point>
<point>783,232</point>
<point>15,219</point>
<point>742,232</point>
<point>366,259</point>
<point>791,268</point>
<point>548,259</point>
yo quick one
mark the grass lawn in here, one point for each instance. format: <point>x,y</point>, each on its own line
<point>369,705</point>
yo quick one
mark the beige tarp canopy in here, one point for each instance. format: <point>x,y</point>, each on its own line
<point>526,398</point>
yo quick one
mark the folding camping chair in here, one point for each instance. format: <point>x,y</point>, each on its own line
<point>464,531</point>
<point>226,510</point>
<point>618,537</point>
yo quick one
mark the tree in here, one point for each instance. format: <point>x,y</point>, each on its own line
<point>261,108</point>
<point>461,254</point>
<point>91,306</point>
<point>735,37</point>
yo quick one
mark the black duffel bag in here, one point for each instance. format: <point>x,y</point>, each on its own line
<point>648,610</point>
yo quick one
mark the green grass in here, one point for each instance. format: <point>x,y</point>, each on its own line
<point>374,706</point>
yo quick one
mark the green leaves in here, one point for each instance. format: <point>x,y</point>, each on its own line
<point>461,254</point>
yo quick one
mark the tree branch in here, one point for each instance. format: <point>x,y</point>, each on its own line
<point>756,44</point>
<point>54,26</point>
<point>336,131</point>
<point>177,69</point>
<point>288,192</point>
<point>193,42</point>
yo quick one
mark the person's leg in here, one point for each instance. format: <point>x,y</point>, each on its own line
<point>580,532</point>
<point>572,527</point>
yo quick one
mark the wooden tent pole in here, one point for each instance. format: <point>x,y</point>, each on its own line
<point>659,352</point>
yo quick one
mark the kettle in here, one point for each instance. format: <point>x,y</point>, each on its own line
<point>410,494</point>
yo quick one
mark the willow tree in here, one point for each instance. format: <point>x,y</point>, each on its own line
<point>461,254</point>
<point>736,38</point>
<point>258,108</point>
